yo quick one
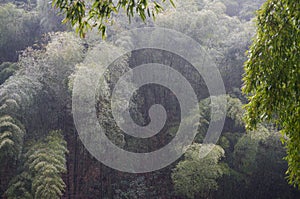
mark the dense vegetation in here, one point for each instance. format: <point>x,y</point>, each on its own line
<point>41,155</point>
<point>277,54</point>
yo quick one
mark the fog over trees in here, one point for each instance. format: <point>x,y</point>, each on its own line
<point>255,46</point>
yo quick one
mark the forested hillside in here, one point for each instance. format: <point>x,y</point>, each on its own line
<point>41,153</point>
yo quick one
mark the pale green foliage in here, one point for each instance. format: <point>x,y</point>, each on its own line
<point>234,109</point>
<point>50,66</point>
<point>196,177</point>
<point>272,76</point>
<point>54,66</point>
<point>207,24</point>
<point>234,115</point>
<point>45,161</point>
<point>224,37</point>
<point>16,96</point>
<point>11,136</point>
<point>17,93</point>
<point>87,68</point>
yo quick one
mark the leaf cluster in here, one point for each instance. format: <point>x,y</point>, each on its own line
<point>41,176</point>
<point>272,76</point>
<point>97,13</point>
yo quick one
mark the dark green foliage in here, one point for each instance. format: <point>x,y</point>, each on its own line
<point>7,69</point>
<point>245,151</point>
<point>258,165</point>
<point>18,29</point>
<point>269,176</point>
<point>20,187</point>
<point>136,189</point>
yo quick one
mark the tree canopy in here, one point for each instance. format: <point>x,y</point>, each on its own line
<point>196,177</point>
<point>39,69</point>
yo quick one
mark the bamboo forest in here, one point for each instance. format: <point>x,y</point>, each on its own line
<point>150,99</point>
